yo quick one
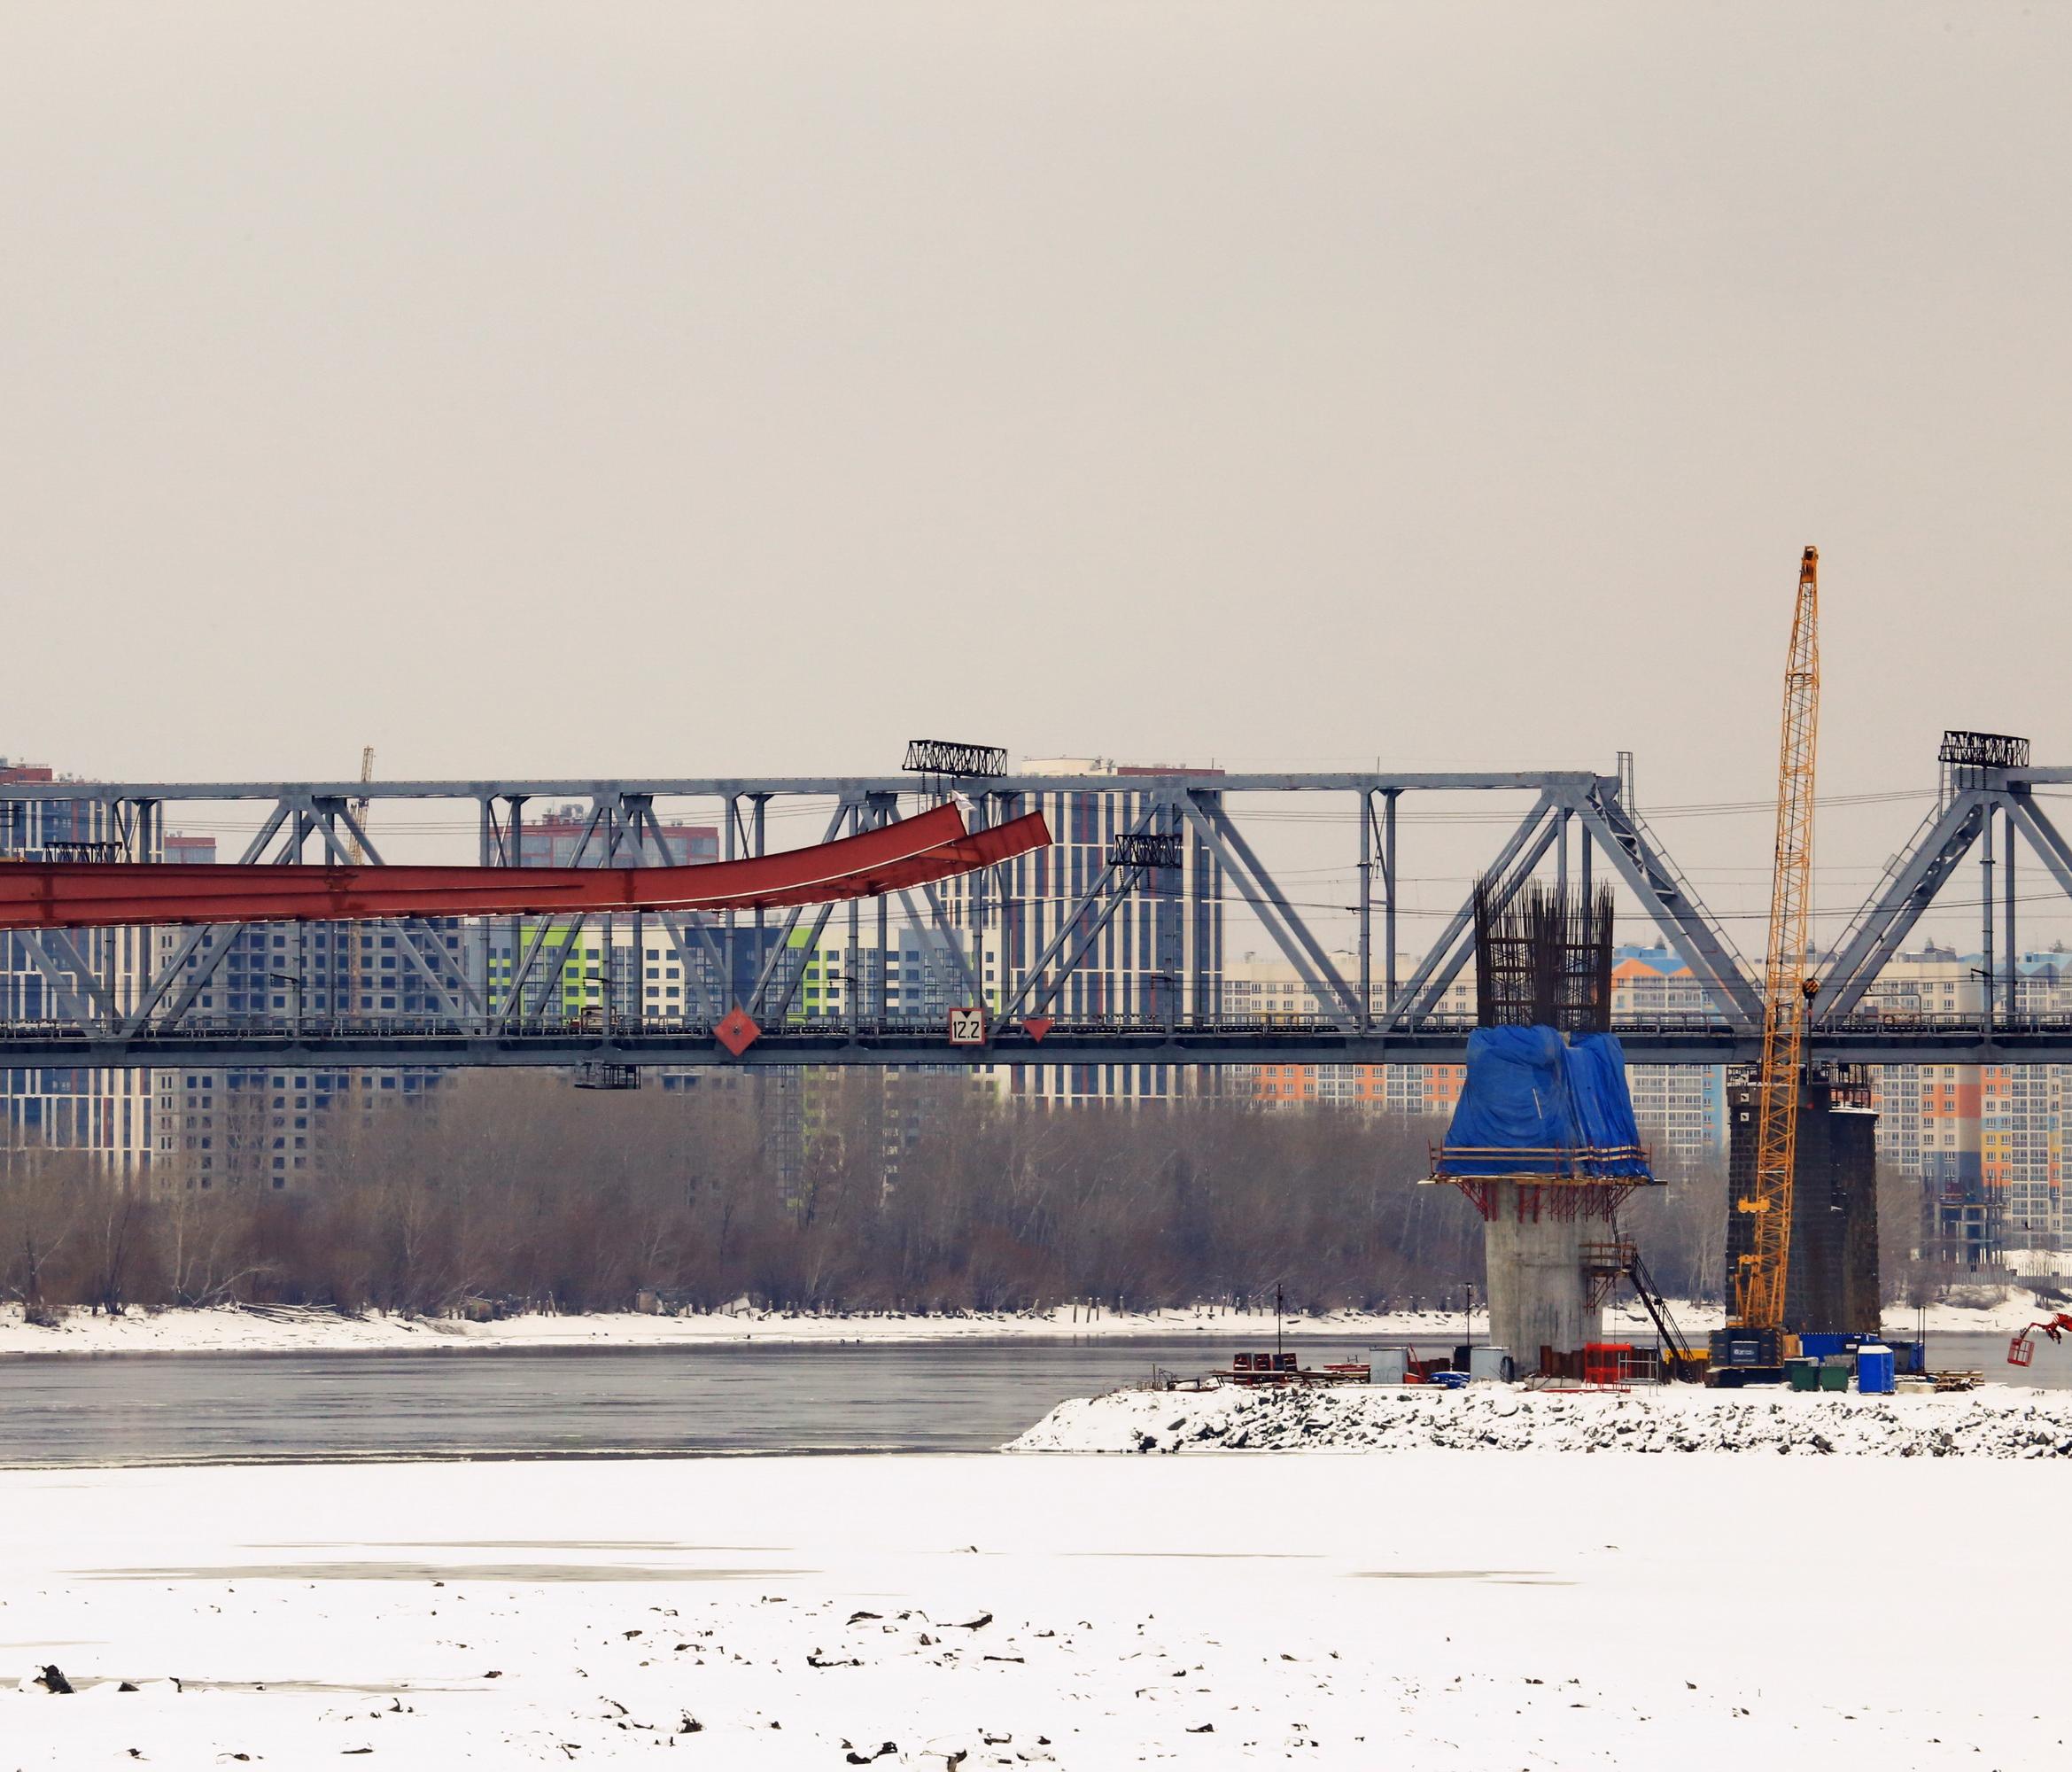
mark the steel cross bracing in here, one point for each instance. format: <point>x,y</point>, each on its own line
<point>1977,803</point>
<point>1574,821</point>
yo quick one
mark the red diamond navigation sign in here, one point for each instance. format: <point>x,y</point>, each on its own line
<point>737,1031</point>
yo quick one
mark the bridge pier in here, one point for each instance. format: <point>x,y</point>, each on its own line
<point>1539,1292</point>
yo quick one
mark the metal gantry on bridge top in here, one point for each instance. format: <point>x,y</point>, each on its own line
<point>1576,825</point>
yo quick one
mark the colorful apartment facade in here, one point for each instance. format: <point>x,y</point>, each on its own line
<point>1987,1141</point>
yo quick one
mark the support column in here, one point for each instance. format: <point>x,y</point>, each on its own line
<point>730,818</point>
<point>851,985</point>
<point>514,856</point>
<point>2013,966</point>
<point>1986,987</point>
<point>488,850</point>
<point>1539,1293</point>
<point>760,839</point>
<point>1366,909</point>
<point>1388,885</point>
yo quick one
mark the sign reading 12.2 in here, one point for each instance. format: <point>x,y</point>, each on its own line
<point>967,1027</point>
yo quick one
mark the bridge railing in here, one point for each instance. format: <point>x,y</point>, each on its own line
<point>1669,1039</point>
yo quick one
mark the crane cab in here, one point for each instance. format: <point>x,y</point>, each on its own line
<point>1739,1357</point>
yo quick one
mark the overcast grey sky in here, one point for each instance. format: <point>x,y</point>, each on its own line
<point>680,388</point>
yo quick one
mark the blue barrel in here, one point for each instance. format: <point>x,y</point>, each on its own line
<point>1873,1369</point>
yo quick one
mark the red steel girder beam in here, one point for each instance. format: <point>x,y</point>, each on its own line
<point>930,846</point>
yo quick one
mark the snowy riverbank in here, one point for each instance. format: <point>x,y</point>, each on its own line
<point>1418,1611</point>
<point>1997,1422</point>
<point>232,1329</point>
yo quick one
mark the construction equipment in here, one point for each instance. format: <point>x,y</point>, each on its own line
<point>1682,1360</point>
<point>1607,1263</point>
<point>353,846</point>
<point>1753,1344</point>
<point>2021,1351</point>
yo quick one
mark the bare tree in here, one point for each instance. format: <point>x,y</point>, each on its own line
<point>41,1204</point>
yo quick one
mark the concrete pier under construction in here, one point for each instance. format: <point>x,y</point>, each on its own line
<point>1831,1279</point>
<point>1542,1141</point>
<point>1539,1292</point>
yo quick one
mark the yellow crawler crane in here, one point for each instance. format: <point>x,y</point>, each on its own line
<point>1754,1337</point>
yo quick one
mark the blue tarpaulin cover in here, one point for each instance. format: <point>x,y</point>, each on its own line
<point>1564,1108</point>
<point>1596,1074</point>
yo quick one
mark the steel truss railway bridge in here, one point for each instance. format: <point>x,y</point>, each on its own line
<point>1576,827</point>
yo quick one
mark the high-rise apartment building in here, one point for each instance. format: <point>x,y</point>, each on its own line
<point>1680,1108</point>
<point>1161,954</point>
<point>82,974</point>
<point>553,838</point>
<point>1986,1140</point>
<point>278,1130</point>
<point>1158,958</point>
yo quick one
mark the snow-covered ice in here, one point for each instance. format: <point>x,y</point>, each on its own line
<point>230,1329</point>
<point>1413,1609</point>
<point>1997,1421</point>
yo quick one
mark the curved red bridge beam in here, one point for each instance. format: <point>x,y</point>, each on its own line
<point>930,846</point>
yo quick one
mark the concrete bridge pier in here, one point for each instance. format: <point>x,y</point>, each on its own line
<point>1539,1293</point>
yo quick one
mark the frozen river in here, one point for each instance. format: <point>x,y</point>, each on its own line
<point>914,1397</point>
<point>1424,1612</point>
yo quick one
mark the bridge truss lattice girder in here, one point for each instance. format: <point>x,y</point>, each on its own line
<point>1653,878</point>
<point>1917,875</point>
<point>1104,893</point>
<point>844,811</point>
<point>621,813</point>
<point>621,819</point>
<point>1879,928</point>
<point>1602,820</point>
<point>1299,946</point>
<point>66,973</point>
<point>1428,983</point>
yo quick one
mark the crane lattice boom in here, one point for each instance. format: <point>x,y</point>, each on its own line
<point>353,846</point>
<point>1786,991</point>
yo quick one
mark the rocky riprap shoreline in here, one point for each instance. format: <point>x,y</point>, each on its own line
<point>1998,1422</point>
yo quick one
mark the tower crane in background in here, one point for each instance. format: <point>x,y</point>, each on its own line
<point>353,847</point>
<point>1757,1310</point>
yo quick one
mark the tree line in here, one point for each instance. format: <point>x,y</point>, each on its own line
<point>830,1192</point>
